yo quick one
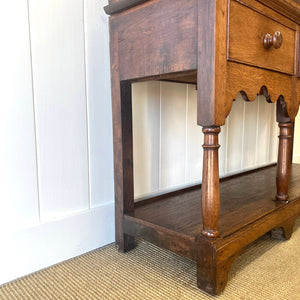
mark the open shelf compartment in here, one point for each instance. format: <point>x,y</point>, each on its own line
<point>246,199</point>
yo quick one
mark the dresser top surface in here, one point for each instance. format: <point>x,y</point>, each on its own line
<point>289,8</point>
<point>130,2</point>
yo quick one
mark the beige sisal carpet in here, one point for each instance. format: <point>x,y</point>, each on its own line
<point>269,269</point>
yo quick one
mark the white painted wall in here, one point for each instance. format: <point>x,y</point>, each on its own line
<point>56,174</point>
<point>296,152</point>
<point>168,143</point>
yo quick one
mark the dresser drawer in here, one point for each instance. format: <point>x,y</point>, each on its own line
<point>247,28</point>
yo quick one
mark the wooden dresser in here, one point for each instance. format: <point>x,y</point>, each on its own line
<point>225,47</point>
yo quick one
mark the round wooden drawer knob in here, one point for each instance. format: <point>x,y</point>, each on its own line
<point>273,40</point>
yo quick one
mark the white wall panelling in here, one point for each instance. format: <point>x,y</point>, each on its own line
<point>55,122</point>
<point>146,124</point>
<point>264,131</point>
<point>236,121</point>
<point>250,133</point>
<point>99,104</point>
<point>172,134</point>
<point>297,140</point>
<point>248,139</point>
<point>52,242</point>
<point>194,139</point>
<point>57,41</point>
<point>273,150</point>
<point>18,174</point>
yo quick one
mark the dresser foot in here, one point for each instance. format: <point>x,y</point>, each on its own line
<point>126,244</point>
<point>212,276</point>
<point>284,231</point>
<point>213,267</point>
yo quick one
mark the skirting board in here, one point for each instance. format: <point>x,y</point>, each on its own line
<point>296,159</point>
<point>47,244</point>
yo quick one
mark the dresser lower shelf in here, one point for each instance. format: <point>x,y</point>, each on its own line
<point>248,210</point>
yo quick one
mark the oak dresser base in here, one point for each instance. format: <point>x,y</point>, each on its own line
<point>173,221</point>
<point>224,47</point>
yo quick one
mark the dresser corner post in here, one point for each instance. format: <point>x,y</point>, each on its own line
<point>210,190</point>
<point>123,165</point>
<point>284,151</point>
<point>123,147</point>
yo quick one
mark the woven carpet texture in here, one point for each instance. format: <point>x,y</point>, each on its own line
<point>268,269</point>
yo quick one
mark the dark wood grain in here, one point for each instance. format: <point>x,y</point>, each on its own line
<point>284,161</point>
<point>246,45</point>
<point>148,55</point>
<point>268,12</point>
<point>163,195</point>
<point>249,80</point>
<point>118,6</point>
<point>212,272</point>
<point>181,244</point>
<point>289,8</point>
<point>248,211</point>
<point>212,39</point>
<point>218,45</point>
<point>123,151</point>
<point>244,198</point>
<point>157,39</point>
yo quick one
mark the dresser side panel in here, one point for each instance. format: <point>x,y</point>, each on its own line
<point>156,38</point>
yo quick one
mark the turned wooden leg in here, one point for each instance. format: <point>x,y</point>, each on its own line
<point>210,190</point>
<point>284,161</point>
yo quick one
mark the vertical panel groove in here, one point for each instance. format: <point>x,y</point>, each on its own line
<point>243,135</point>
<point>173,122</point>
<point>226,143</point>
<point>186,131</point>
<point>274,139</point>
<point>87,108</point>
<point>34,114</point>
<point>226,152</point>
<point>257,133</point>
<point>180,161</point>
<point>159,160</point>
<point>270,132</point>
<point>60,104</point>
